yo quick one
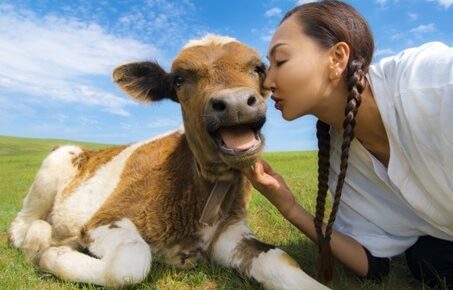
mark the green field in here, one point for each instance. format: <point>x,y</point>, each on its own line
<point>20,158</point>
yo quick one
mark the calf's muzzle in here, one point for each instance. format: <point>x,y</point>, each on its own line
<point>235,106</point>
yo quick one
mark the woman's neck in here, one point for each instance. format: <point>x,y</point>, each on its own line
<point>369,128</point>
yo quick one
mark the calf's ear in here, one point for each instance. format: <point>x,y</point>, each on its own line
<point>145,81</point>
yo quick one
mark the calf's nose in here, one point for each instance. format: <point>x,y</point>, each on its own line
<point>234,103</point>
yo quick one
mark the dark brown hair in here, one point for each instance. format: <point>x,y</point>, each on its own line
<point>330,22</point>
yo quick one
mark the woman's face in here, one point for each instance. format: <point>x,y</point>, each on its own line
<point>298,72</point>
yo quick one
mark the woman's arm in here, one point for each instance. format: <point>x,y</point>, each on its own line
<point>346,250</point>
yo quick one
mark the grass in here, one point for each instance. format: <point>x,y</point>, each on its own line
<point>20,159</point>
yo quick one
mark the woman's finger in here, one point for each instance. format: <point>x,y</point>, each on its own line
<point>266,167</point>
<point>260,174</point>
<point>259,169</point>
<point>253,171</point>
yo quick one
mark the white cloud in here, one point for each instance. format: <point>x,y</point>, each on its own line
<point>383,52</point>
<point>412,16</point>
<point>163,23</point>
<point>165,123</point>
<point>397,36</point>
<point>273,12</point>
<point>384,3</point>
<point>445,3</point>
<point>301,2</point>
<point>267,35</point>
<point>424,28</point>
<point>52,58</point>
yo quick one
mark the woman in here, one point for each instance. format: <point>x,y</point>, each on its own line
<point>397,149</point>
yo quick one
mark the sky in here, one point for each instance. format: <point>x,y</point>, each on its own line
<point>56,59</point>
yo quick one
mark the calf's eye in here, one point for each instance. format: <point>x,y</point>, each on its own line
<point>260,69</point>
<point>179,81</point>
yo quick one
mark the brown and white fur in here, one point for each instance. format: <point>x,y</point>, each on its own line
<point>101,217</point>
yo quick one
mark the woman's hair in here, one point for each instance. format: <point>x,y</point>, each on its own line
<point>330,22</point>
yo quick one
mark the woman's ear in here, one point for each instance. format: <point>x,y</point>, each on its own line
<point>339,57</point>
<point>144,81</point>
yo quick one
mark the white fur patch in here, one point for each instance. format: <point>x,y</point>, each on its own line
<point>274,268</point>
<point>125,258</point>
<point>227,242</point>
<point>55,171</point>
<point>70,265</point>
<point>37,239</point>
<point>128,264</point>
<point>209,39</point>
<point>69,214</point>
<point>275,271</point>
<point>126,255</point>
<point>107,237</point>
<point>207,233</point>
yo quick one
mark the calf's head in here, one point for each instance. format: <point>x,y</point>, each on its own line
<point>218,83</point>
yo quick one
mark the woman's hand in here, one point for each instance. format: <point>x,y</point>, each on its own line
<point>347,250</point>
<point>271,185</point>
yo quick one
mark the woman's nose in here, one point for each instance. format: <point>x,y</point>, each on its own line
<point>269,83</point>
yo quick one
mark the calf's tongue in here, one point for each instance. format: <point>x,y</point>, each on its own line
<point>238,137</point>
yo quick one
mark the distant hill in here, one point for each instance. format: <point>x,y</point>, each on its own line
<point>18,145</point>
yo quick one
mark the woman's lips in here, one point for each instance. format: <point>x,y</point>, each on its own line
<point>278,102</point>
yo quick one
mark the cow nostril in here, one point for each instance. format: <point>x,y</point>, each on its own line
<point>218,105</point>
<point>251,100</point>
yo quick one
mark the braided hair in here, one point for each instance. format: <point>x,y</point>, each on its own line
<point>329,22</point>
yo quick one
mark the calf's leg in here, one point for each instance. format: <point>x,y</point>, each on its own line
<point>236,247</point>
<point>123,257</point>
<point>56,170</point>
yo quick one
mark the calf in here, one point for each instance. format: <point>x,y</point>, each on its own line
<point>100,217</point>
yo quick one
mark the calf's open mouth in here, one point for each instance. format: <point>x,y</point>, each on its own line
<point>238,139</point>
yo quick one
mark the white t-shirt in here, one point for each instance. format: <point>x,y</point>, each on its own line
<point>387,209</point>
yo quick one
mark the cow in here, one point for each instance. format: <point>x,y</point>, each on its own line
<point>101,217</point>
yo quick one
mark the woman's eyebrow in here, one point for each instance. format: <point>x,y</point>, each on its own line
<point>272,51</point>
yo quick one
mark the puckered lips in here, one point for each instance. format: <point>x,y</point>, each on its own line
<point>238,139</point>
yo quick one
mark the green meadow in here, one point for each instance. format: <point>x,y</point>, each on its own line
<point>20,159</point>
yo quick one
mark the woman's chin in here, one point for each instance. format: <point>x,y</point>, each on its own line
<point>288,116</point>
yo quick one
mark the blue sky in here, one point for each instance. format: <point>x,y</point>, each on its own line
<point>56,59</point>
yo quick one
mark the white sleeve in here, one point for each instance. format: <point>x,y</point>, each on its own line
<point>369,207</point>
<point>377,241</point>
<point>420,84</point>
<point>424,97</point>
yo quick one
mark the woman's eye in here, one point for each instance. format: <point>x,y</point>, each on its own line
<point>279,62</point>
<point>179,81</point>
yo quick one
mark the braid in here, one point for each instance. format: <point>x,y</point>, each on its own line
<point>355,85</point>
<point>323,135</point>
<point>355,81</point>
